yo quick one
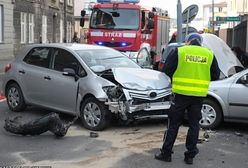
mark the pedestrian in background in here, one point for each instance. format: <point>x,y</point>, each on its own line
<point>241,55</point>
<point>75,38</point>
<point>190,67</point>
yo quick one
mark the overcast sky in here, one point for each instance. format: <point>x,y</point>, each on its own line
<point>171,5</point>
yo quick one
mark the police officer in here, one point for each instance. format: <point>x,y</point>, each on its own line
<point>190,67</point>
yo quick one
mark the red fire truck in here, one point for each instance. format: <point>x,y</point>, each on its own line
<point>125,26</point>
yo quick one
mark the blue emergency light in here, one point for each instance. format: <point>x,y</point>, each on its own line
<point>118,1</point>
<point>123,44</point>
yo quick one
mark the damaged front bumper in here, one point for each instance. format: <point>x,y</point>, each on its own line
<point>128,107</point>
<point>141,100</point>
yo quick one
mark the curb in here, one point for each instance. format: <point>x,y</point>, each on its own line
<point>2,97</point>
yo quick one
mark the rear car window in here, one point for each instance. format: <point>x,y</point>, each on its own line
<point>38,57</point>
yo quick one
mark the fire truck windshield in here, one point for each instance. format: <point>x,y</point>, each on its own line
<point>107,18</point>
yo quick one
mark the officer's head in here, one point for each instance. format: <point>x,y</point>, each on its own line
<point>193,39</point>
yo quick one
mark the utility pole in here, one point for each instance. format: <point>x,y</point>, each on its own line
<point>179,21</point>
<point>65,22</point>
<point>213,16</point>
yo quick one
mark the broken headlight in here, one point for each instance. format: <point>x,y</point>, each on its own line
<point>114,93</point>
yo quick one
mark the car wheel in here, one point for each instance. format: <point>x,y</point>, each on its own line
<point>94,114</point>
<point>15,99</point>
<point>211,114</point>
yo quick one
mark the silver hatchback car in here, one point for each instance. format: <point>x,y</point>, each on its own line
<point>93,82</point>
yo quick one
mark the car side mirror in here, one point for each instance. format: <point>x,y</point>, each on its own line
<point>244,80</point>
<point>144,59</point>
<point>150,24</point>
<point>70,72</point>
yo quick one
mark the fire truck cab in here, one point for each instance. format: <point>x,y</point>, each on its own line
<point>125,26</point>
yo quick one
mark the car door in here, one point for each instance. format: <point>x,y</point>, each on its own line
<point>62,89</point>
<point>32,74</point>
<point>238,98</point>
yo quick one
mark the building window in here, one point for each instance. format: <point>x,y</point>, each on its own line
<point>1,23</point>
<point>220,9</point>
<point>69,29</point>
<point>61,30</point>
<point>23,27</point>
<point>210,9</point>
<point>44,29</point>
<point>70,2</point>
<point>31,28</point>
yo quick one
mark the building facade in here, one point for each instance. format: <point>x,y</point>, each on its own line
<point>6,32</point>
<point>238,7</point>
<point>42,21</point>
<point>82,5</point>
<point>220,9</point>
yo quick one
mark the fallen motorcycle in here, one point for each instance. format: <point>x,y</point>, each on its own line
<point>50,122</point>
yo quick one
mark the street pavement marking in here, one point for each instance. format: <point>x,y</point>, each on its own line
<point>3,100</point>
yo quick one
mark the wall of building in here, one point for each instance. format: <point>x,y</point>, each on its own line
<point>53,10</point>
<point>6,45</point>
<point>220,9</point>
<point>223,34</point>
<point>237,7</point>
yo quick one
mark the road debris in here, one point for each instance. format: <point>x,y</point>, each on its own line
<point>239,134</point>
<point>50,122</point>
<point>206,134</point>
<point>94,134</point>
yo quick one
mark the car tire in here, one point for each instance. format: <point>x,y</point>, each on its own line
<point>94,114</point>
<point>15,99</point>
<point>211,114</point>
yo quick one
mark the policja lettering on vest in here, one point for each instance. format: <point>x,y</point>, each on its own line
<point>196,59</point>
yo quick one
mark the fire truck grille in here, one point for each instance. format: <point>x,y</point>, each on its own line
<point>112,44</point>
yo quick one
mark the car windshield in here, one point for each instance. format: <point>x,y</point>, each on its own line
<point>109,18</point>
<point>103,59</point>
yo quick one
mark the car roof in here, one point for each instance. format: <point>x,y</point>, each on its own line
<point>71,46</point>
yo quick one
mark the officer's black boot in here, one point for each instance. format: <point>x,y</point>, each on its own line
<point>188,160</point>
<point>163,157</point>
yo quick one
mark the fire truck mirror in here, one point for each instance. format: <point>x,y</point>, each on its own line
<point>83,12</point>
<point>151,15</point>
<point>82,22</point>
<point>150,24</point>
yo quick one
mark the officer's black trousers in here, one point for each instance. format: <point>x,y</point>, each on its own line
<point>193,106</point>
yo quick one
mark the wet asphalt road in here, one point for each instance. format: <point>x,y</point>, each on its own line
<point>226,148</point>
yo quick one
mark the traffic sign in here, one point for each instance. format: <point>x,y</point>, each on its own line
<point>189,13</point>
<point>228,19</point>
<point>189,30</point>
<point>217,23</point>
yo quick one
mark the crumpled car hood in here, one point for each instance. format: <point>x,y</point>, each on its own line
<point>224,55</point>
<point>141,79</point>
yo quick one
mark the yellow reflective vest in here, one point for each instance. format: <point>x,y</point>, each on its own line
<point>192,76</point>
